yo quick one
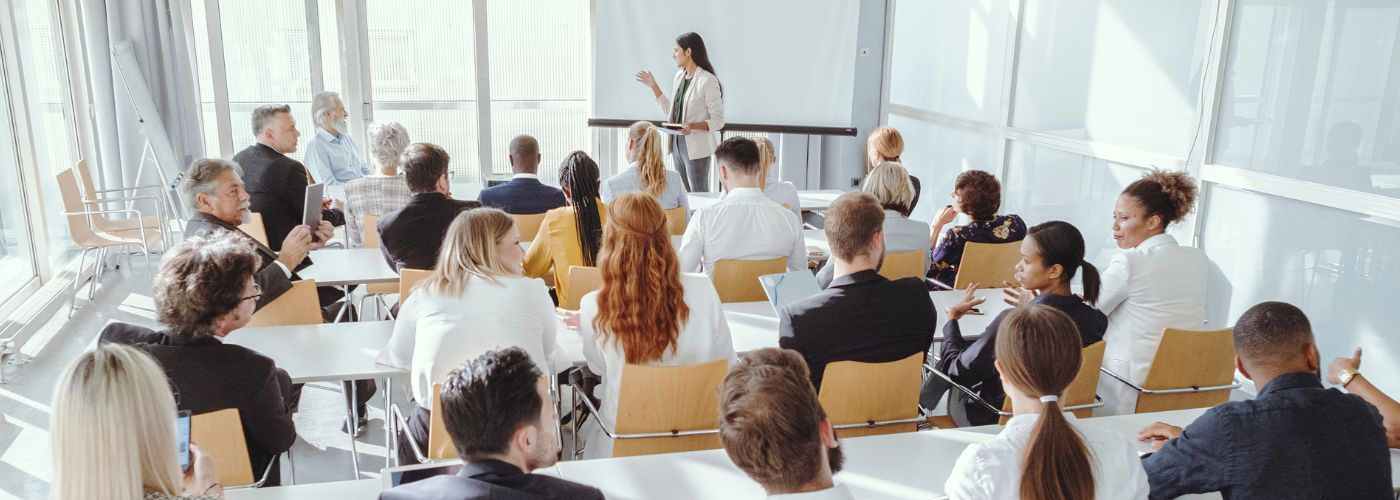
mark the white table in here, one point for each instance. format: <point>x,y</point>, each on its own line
<point>818,199</point>
<point>337,490</point>
<point>354,266</point>
<point>467,190</point>
<point>752,325</point>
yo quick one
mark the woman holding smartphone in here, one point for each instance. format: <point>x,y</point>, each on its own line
<point>695,108</point>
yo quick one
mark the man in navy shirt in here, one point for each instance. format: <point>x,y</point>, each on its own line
<point>1295,440</point>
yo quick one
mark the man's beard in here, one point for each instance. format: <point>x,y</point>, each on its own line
<point>340,126</point>
<point>835,458</point>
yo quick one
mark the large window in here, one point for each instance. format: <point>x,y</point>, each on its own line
<point>17,266</point>
<point>41,50</point>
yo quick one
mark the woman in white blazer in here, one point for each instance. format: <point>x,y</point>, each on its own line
<point>475,301</point>
<point>648,312</point>
<point>1155,284</point>
<point>697,104</point>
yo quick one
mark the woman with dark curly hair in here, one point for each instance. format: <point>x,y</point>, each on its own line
<point>978,195</point>
<point>1154,284</point>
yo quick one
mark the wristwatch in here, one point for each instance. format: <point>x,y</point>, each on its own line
<point>1346,375</point>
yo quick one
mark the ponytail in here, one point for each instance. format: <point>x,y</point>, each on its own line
<point>1092,283</point>
<point>579,174</point>
<point>650,167</point>
<point>1056,466</point>
<point>765,160</point>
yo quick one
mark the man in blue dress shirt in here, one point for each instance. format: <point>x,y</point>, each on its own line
<point>332,157</point>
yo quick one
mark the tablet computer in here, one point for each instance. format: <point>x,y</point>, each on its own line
<point>786,288</point>
<point>311,211</point>
<point>395,476</point>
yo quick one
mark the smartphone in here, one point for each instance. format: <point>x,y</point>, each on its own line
<point>182,439</point>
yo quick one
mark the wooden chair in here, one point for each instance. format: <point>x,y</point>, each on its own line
<point>370,238</point>
<point>663,409</point>
<point>82,227</point>
<point>255,228</point>
<point>440,445</point>
<point>99,199</point>
<point>1192,369</point>
<point>409,278</point>
<point>676,221</point>
<point>298,306</point>
<point>867,399</point>
<point>220,435</point>
<point>737,280</point>
<point>528,224</point>
<point>582,279</point>
<point>1079,397</point>
<point>904,265</point>
<point>988,263</point>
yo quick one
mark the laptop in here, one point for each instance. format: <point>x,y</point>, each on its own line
<point>395,476</point>
<point>786,288</point>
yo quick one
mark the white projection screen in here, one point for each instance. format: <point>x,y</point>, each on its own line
<point>783,63</point>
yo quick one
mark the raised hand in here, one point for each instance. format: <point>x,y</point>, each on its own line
<point>965,306</point>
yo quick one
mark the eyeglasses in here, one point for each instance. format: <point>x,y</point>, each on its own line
<point>257,293</point>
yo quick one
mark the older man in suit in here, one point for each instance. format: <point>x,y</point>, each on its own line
<point>524,194</point>
<point>276,183</point>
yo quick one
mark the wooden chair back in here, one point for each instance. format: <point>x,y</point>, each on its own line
<point>370,239</point>
<point>737,280</point>
<point>675,221</point>
<point>298,306</point>
<point>220,435</point>
<point>255,228</point>
<point>904,265</point>
<point>665,399</point>
<point>440,445</point>
<point>409,278</point>
<point>854,393</point>
<point>1085,385</point>
<point>528,224</point>
<point>582,279</point>
<point>1190,358</point>
<point>988,263</point>
<point>73,202</point>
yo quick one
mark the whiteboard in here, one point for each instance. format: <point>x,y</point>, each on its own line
<point>152,128</point>
<point>781,62</point>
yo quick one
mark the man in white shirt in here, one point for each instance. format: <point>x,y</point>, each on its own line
<point>332,157</point>
<point>745,225</point>
<point>775,430</point>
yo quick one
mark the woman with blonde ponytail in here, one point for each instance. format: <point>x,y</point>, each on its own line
<point>1043,453</point>
<point>780,191</point>
<point>646,171</point>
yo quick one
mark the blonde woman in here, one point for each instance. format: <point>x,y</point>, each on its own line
<point>113,428</point>
<point>889,184</point>
<point>885,145</point>
<point>475,301</point>
<point>780,191</point>
<point>646,171</point>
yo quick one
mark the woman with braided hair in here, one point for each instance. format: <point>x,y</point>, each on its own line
<point>569,235</point>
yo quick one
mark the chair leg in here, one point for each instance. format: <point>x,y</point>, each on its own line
<point>291,469</point>
<point>97,272</point>
<point>77,280</point>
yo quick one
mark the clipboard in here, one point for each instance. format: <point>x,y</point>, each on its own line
<point>670,129</point>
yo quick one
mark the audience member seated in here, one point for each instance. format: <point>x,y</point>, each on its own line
<point>978,195</point>
<point>1043,451</point>
<point>774,429</point>
<point>889,184</point>
<point>113,429</point>
<point>885,145</point>
<point>524,194</point>
<point>383,191</point>
<point>1155,284</point>
<point>1051,255</point>
<point>1346,374</point>
<point>862,316</point>
<point>569,235</point>
<point>411,236</point>
<point>646,171</point>
<point>780,191</point>
<point>1294,440</point>
<point>648,312</point>
<point>203,291</point>
<point>745,225</point>
<point>276,184</point>
<point>332,156</point>
<point>475,301</point>
<point>497,410</point>
<point>214,191</point>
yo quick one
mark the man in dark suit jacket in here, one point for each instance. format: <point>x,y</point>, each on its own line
<point>411,236</point>
<point>862,316</point>
<point>276,183</point>
<point>204,290</point>
<point>501,432</point>
<point>524,194</point>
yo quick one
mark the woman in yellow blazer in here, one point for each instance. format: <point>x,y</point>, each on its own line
<point>569,235</point>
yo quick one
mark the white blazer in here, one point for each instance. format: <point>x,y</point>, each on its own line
<point>703,102</point>
<point>1159,284</point>
<point>992,470</point>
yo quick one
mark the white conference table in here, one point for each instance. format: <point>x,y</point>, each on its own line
<point>815,199</point>
<point>341,267</point>
<point>337,490</point>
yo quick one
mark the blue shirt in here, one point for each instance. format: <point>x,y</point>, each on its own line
<point>334,160</point>
<point>1295,440</point>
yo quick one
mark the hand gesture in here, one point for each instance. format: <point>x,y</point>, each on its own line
<point>324,232</point>
<point>945,216</point>
<point>645,78</point>
<point>202,478</point>
<point>1017,296</point>
<point>1337,365</point>
<point>1159,433</point>
<point>965,306</point>
<point>295,247</point>
<point>568,318</point>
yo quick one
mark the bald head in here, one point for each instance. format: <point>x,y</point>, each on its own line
<point>524,154</point>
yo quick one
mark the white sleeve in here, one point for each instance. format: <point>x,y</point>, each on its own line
<point>549,334</point>
<point>722,345</point>
<point>714,104</point>
<point>797,259</point>
<point>398,352</point>
<point>1114,286</point>
<point>285,271</point>
<point>692,251</point>
<point>592,351</point>
<point>969,479</point>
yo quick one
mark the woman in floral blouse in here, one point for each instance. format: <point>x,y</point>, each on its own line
<point>977,194</point>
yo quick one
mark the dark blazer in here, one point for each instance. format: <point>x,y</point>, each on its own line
<point>970,363</point>
<point>411,236</point>
<point>523,196</point>
<point>207,375</point>
<point>860,317</point>
<point>494,480</point>
<point>276,185</point>
<point>270,276</point>
<point>1294,440</point>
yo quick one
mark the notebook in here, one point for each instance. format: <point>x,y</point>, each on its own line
<point>786,288</point>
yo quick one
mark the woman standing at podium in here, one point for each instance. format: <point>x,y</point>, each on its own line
<point>696,106</point>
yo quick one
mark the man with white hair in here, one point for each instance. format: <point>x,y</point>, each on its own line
<point>332,156</point>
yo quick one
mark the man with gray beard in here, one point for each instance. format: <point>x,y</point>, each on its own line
<point>331,155</point>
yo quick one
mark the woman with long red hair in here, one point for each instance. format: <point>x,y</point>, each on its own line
<point>648,312</point>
